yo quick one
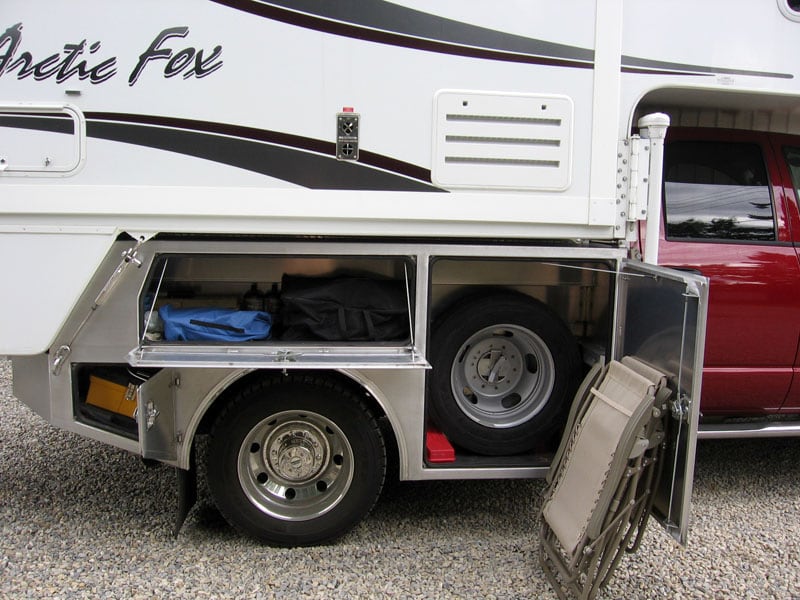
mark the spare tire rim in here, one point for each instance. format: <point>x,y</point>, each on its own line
<point>295,465</point>
<point>502,376</point>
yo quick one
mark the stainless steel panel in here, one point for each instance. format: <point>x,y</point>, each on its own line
<point>156,417</point>
<point>660,319</point>
<point>30,381</point>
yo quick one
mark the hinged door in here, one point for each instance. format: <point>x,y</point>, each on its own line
<point>660,319</point>
<point>156,416</point>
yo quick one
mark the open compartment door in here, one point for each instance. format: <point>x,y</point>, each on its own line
<point>660,319</point>
<point>156,417</point>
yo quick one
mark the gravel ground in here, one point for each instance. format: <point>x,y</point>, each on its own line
<point>81,520</point>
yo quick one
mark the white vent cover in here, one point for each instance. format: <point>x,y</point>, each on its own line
<point>502,141</point>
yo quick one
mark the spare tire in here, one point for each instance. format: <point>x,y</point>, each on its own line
<point>505,367</point>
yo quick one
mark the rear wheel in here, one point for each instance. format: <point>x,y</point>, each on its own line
<point>504,370</point>
<point>296,460</point>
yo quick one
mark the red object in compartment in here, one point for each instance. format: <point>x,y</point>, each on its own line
<point>438,448</point>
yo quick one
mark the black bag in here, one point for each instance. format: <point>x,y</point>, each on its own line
<point>343,309</point>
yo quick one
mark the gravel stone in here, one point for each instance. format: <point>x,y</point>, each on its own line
<point>79,519</point>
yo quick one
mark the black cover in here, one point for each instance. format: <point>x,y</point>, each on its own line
<point>343,308</point>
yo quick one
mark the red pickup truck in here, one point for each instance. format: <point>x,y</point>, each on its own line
<point>731,213</point>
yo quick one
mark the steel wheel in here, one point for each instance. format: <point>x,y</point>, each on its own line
<point>502,376</point>
<point>295,465</point>
<point>296,459</point>
<point>504,370</point>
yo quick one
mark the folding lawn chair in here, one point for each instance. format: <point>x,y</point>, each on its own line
<point>602,476</point>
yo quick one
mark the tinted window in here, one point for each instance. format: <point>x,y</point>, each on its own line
<point>793,161</point>
<point>717,191</point>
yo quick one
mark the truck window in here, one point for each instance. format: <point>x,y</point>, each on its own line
<point>717,191</point>
<point>793,161</point>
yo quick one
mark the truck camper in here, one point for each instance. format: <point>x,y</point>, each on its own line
<point>335,236</point>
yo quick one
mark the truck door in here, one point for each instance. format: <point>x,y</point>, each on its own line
<point>724,217</point>
<point>786,150</point>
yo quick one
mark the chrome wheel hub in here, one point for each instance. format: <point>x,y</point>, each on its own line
<point>295,465</point>
<point>296,451</point>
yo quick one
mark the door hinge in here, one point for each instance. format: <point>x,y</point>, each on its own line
<point>680,407</point>
<point>633,168</point>
<point>152,414</point>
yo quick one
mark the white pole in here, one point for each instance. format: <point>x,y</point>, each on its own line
<point>654,128</point>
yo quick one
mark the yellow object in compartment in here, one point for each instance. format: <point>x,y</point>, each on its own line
<point>112,396</point>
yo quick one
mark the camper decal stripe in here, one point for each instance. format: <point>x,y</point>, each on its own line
<point>631,64</point>
<point>303,161</point>
<point>387,23</point>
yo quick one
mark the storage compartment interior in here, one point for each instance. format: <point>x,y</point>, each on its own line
<point>579,292</point>
<point>308,299</point>
<point>106,396</point>
<point>509,351</point>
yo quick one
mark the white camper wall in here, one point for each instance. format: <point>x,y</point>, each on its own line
<point>219,117</point>
<point>712,64</point>
<point>290,79</point>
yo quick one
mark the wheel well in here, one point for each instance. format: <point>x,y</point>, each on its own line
<point>247,379</point>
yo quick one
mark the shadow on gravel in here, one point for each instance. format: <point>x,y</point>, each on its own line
<point>441,509</point>
<point>446,509</point>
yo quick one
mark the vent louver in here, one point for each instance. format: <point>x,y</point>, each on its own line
<point>505,141</point>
